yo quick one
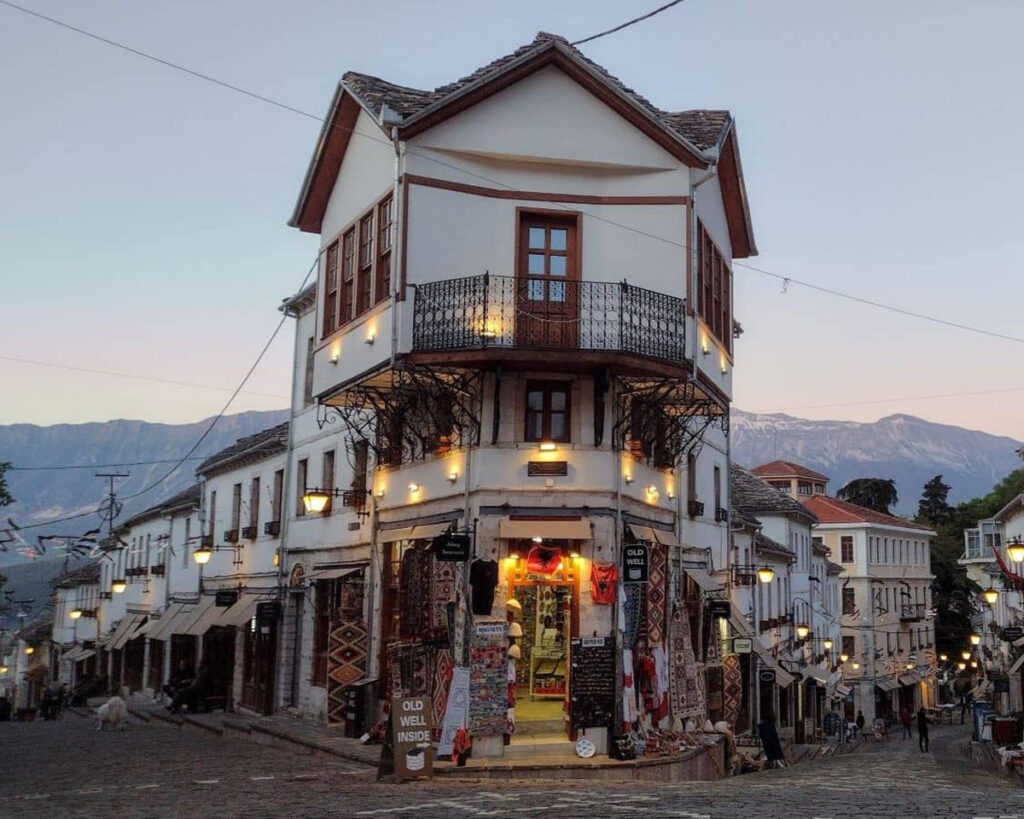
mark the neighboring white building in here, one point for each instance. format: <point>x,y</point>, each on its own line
<point>506,354</point>
<point>76,604</point>
<point>982,544</point>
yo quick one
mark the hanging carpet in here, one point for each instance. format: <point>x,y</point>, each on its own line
<point>732,688</point>
<point>686,675</point>
<point>657,594</point>
<point>346,664</point>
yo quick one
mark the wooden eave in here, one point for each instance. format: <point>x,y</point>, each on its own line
<point>734,198</point>
<point>326,163</point>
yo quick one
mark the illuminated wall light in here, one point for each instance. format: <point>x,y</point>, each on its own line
<point>537,539</point>
<point>574,555</point>
<point>671,493</point>
<point>30,650</point>
<point>414,487</point>
<point>335,354</point>
<point>380,492</point>
<point>547,446</point>
<point>453,476</point>
<point>705,345</point>
<point>627,478</point>
<point>371,335</point>
<point>723,363</point>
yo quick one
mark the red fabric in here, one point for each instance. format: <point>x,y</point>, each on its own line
<point>542,560</point>
<point>602,583</point>
<point>1016,578</point>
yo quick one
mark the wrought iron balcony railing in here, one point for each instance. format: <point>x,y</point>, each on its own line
<point>488,311</point>
<point>912,612</point>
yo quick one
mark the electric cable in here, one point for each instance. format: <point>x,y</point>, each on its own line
<point>331,126</point>
<point>627,24</point>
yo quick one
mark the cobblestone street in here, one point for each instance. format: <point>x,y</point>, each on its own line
<point>155,769</point>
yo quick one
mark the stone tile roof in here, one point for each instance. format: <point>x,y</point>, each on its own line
<point>833,510</point>
<point>702,128</point>
<point>751,496</point>
<point>79,576</point>
<point>763,543</point>
<point>833,569</point>
<point>186,497</point>
<point>266,442</point>
<point>787,469</point>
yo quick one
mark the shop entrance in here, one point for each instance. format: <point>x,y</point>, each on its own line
<point>545,583</point>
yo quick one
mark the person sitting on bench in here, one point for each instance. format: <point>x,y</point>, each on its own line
<point>193,693</point>
<point>181,679</point>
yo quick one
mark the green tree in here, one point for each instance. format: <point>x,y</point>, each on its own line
<point>872,493</point>
<point>5,495</point>
<point>933,507</point>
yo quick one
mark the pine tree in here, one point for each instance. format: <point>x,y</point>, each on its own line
<point>933,508</point>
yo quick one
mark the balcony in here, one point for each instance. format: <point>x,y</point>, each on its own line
<point>505,313</point>
<point>912,613</point>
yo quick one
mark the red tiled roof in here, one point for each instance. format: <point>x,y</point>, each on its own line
<point>832,510</point>
<point>787,469</point>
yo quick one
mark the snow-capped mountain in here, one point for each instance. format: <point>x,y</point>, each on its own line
<point>907,449</point>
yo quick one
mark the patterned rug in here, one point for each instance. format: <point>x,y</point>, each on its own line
<point>635,613</point>
<point>714,652</point>
<point>442,592</point>
<point>443,666</point>
<point>412,614</point>
<point>346,663</point>
<point>657,594</point>
<point>686,675</point>
<point>732,688</point>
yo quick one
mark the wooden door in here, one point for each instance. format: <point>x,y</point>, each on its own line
<point>259,658</point>
<point>548,282</point>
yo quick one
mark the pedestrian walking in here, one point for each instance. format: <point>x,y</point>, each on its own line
<point>922,730</point>
<point>906,720</point>
<point>860,722</point>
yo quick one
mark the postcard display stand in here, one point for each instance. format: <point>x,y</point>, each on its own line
<point>488,678</point>
<point>592,682</point>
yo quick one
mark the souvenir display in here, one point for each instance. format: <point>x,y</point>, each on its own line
<point>488,670</point>
<point>592,682</point>
<point>602,583</point>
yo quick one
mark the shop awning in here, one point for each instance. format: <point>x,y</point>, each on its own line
<point>703,579</point>
<point>141,630</point>
<point>1017,665</point>
<point>739,623</point>
<point>817,679</point>
<point>421,531</point>
<point>202,617</point>
<point>72,654</point>
<point>843,690</point>
<point>162,628</point>
<point>509,529</point>
<point>238,614</point>
<point>887,685</point>
<point>652,535</point>
<point>85,655</point>
<point>124,631</point>
<point>335,572</point>
<point>909,679</point>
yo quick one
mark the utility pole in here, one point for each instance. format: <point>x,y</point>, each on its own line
<point>109,510</point>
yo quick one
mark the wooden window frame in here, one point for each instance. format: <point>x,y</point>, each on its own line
<point>254,504</point>
<point>714,289</point>
<point>278,499</point>
<point>364,264</point>
<point>321,632</point>
<point>301,476</point>
<point>347,277</point>
<point>848,595</point>
<point>384,247</point>
<point>327,467</point>
<point>547,388</point>
<point>236,507</point>
<point>330,303</point>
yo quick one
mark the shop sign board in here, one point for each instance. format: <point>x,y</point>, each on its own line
<point>411,720</point>
<point>452,548</point>
<point>226,597</point>
<point>766,675</point>
<point>456,712</point>
<point>1001,686</point>
<point>267,612</point>
<point>742,645</point>
<point>1011,633</point>
<point>634,563</point>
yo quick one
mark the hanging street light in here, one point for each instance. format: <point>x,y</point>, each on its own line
<point>1015,550</point>
<point>844,657</point>
<point>827,644</point>
<point>802,631</point>
<point>961,666</point>
<point>943,658</point>
<point>975,639</point>
<point>315,501</point>
<point>118,586</point>
<point>991,596</point>
<point>74,614</point>
<point>202,555</point>
<point>766,574</point>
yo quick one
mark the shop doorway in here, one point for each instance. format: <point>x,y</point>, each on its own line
<point>548,592</point>
<point>219,656</point>
<point>260,653</point>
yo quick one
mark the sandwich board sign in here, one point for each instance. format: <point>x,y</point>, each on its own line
<point>412,724</point>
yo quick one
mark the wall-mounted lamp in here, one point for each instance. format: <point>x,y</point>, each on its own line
<point>652,494</point>
<point>671,494</point>
<point>627,478</point>
<point>335,356</point>
<point>965,654</point>
<point>118,586</point>
<point>202,555</point>
<point>974,663</point>
<point>991,596</point>
<point>943,658</point>
<point>910,666</point>
<point>547,446</point>
<point>74,614</point>
<point>705,345</point>
<point>827,644</point>
<point>961,666</point>
<point>453,476</point>
<point>380,491</point>
<point>513,555</point>
<point>574,555</point>
<point>414,487</point>
<point>766,574</point>
<point>370,337</point>
<point>975,639</point>
<point>30,650</point>
<point>802,630</point>
<point>843,657</point>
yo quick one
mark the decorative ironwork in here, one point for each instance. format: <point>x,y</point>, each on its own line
<point>662,420</point>
<point>411,412</point>
<point>478,312</point>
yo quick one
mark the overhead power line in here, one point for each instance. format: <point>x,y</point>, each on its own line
<point>596,217</point>
<point>131,376</point>
<point>628,23</point>
<point>103,466</point>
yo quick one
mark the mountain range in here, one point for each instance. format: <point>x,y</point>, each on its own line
<point>907,449</point>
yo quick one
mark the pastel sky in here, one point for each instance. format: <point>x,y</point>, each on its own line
<point>142,212</point>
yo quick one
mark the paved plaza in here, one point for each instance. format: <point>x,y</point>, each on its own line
<point>66,769</point>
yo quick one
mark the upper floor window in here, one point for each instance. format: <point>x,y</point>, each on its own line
<point>346,310</point>
<point>275,503</point>
<point>803,488</point>
<point>365,284</point>
<point>846,549</point>
<point>327,477</point>
<point>331,290</point>
<point>714,289</point>
<point>254,504</point>
<point>782,486</point>
<point>384,224</point>
<point>301,472</point>
<point>819,488</point>
<point>547,411</point>
<point>849,601</point>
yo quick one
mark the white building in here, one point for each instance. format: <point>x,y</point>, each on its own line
<point>506,354</point>
<point>76,621</point>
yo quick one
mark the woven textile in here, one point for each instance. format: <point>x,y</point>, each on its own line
<point>714,653</point>
<point>442,592</point>
<point>409,669</point>
<point>635,612</point>
<point>412,609</point>
<point>442,679</point>
<point>346,663</point>
<point>732,688</point>
<point>657,594</point>
<point>686,675</point>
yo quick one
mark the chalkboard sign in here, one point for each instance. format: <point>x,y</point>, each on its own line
<point>770,742</point>
<point>1011,633</point>
<point>267,612</point>
<point>592,682</point>
<point>1001,686</point>
<point>634,563</point>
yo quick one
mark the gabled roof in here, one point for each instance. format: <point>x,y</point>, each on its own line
<point>751,496</point>
<point>79,576</point>
<point>762,543</point>
<point>262,445</point>
<point>833,569</point>
<point>787,469</point>
<point>833,510</point>
<point>698,138</point>
<point>185,498</point>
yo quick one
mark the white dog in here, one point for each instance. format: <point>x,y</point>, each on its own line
<point>112,712</point>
